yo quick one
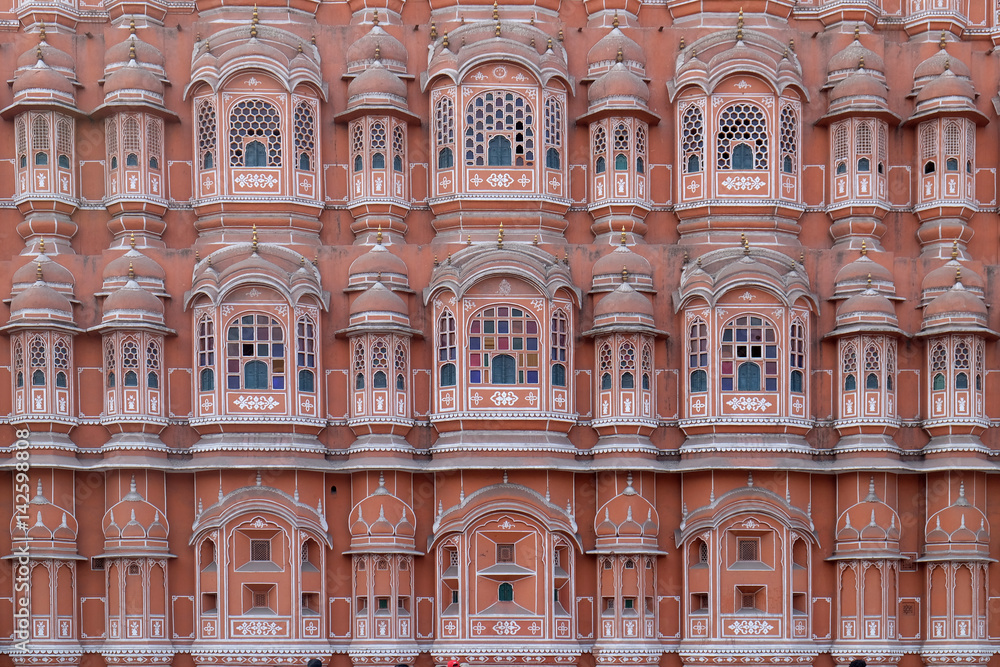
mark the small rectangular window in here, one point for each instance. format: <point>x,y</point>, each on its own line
<point>747,549</point>
<point>260,550</point>
<point>505,553</point>
<point>260,600</point>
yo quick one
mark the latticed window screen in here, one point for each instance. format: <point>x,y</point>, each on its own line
<point>849,364</point>
<point>358,147</point>
<point>131,141</point>
<point>254,134</point>
<point>748,549</point>
<point>260,550</point>
<point>153,364</point>
<point>600,149</point>
<point>444,122</point>
<point>505,553</point>
<point>742,125</point>
<point>499,130</point>
<point>970,146</point>
<point>255,353</point>
<point>40,139</point>
<point>788,139</point>
<point>398,148</point>
<point>841,148</point>
<point>260,599</point>
<point>928,141</point>
<point>873,364</point>
<point>61,362</point>
<point>749,355</point>
<point>553,122</point>
<point>305,136</point>
<point>207,134</point>
<point>399,362</point>
<point>206,354</point>
<point>647,365</point>
<point>380,365</point>
<point>21,140</point>
<point>154,141</point>
<point>64,142</point>
<point>503,347</point>
<point>698,355</point>
<point>620,146</point>
<point>559,339</point>
<point>883,147</point>
<point>377,144</point>
<point>952,140</point>
<point>359,365</point>
<point>130,362</point>
<point>797,355</point>
<point>626,365</point>
<point>693,139</point>
<point>605,363</point>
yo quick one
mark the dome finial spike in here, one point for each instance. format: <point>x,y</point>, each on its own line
<point>444,41</point>
<point>624,275</point>
<point>500,237</point>
<point>864,248</point>
<point>746,244</point>
<point>857,32</point>
<point>861,62</point>
<point>620,56</point>
<point>434,31</point>
<point>614,20</point>
<point>378,237</point>
<point>378,53</point>
<point>739,26</point>
<point>869,281</point>
<point>624,236</point>
<point>947,64</point>
<point>375,18</point>
<point>38,271</point>
<point>958,275</point>
<point>496,11</point>
<point>254,241</point>
<point>131,26</point>
<point>131,51</point>
<point>682,43</point>
<point>41,31</point>
<point>254,20</point>
<point>943,42</point>
<point>131,240</point>
<point>41,246</point>
<point>131,272</point>
<point>954,249</point>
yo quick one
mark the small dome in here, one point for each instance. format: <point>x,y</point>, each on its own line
<point>619,82</point>
<point>54,274</point>
<point>47,523</point>
<point>947,85</point>
<point>957,304</point>
<point>854,276</point>
<point>607,271</point>
<point>145,54</point>
<point>378,261</point>
<point>381,518</point>
<point>43,77</point>
<point>942,279</point>
<point>133,517</point>
<point>860,84</point>
<point>133,77</point>
<point>379,299</point>
<point>143,267</point>
<point>377,80</point>
<point>51,55</point>
<point>607,48</point>
<point>41,301</point>
<point>868,307</point>
<point>132,301</point>
<point>938,64</point>
<point>390,50</point>
<point>624,301</point>
<point>851,57</point>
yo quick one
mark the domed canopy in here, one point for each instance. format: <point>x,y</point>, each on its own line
<point>132,304</point>
<point>382,522</point>
<point>620,87</point>
<point>51,529</point>
<point>144,270</point>
<point>854,56</point>
<point>947,95</point>
<point>41,304</point>
<point>854,277</point>
<point>956,310</point>
<point>53,274</point>
<point>614,47</point>
<point>136,49</point>
<point>937,65</point>
<point>379,308</point>
<point>134,526</point>
<point>959,531</point>
<point>42,83</point>
<point>869,527</point>
<point>868,311</point>
<point>624,309</point>
<point>135,81</point>
<point>378,264</point>
<point>378,82</point>
<point>361,53</point>
<point>942,279</point>
<point>608,269</point>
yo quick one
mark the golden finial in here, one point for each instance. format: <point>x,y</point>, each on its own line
<point>316,259</point>
<point>533,42</point>
<point>378,277</point>
<point>561,36</point>
<point>197,256</point>
<point>131,240</point>
<point>943,42</point>
<point>253,31</point>
<point>131,51</point>
<point>496,30</point>
<point>954,249</point>
<point>436,262</point>
<point>209,260</point>
<point>620,57</point>
<point>302,260</point>
<point>378,53</point>
<point>624,237</point>
<point>300,47</point>
<point>857,32</point>
<point>745,243</point>
<point>531,21</point>
<point>682,44</point>
<point>255,19</point>
<point>614,21</point>
<point>739,26</point>
<point>869,281</point>
<point>958,275</point>
<point>947,64</point>
<point>41,31</point>
<point>41,246</point>
<point>375,17</point>
<point>861,62</point>
<point>548,44</point>
<point>791,44</point>
<point>784,54</point>
<point>131,272</point>
<point>254,242</point>
<point>444,42</point>
<point>802,257</point>
<point>312,40</point>
<point>496,11</point>
<point>378,237</point>
<point>208,46</point>
<point>535,240</point>
<point>864,248</point>
<point>38,54</point>
<point>131,26</point>
<point>500,237</point>
<point>434,31</point>
<point>565,256</point>
<point>624,275</point>
<point>468,239</point>
<point>38,271</point>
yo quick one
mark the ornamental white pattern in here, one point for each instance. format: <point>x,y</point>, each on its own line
<point>506,628</point>
<point>751,627</point>
<point>743,183</point>
<point>255,402</point>
<point>258,628</point>
<point>753,404</point>
<point>256,180</point>
<point>500,180</point>
<point>506,398</point>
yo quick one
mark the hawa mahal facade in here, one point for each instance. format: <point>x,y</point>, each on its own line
<point>588,333</point>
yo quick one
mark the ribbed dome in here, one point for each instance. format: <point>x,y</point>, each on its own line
<point>374,81</point>
<point>378,260</point>
<point>48,522</point>
<point>958,304</point>
<point>380,517</point>
<point>622,258</point>
<point>858,84</point>
<point>134,518</point>
<point>608,47</point>
<point>40,300</point>
<point>624,301</point>
<point>379,299</point>
<point>147,54</point>
<point>51,55</point>
<point>53,273</point>
<point>142,267</point>
<point>390,50</point>
<point>868,525</point>
<point>851,57</point>
<point>133,77</point>
<point>869,307</point>
<point>937,64</point>
<point>854,276</point>
<point>43,77</point>
<point>619,82</point>
<point>944,277</point>
<point>945,86</point>
<point>132,300</point>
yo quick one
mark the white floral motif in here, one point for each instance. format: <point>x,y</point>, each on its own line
<point>504,287</point>
<point>256,180</point>
<point>754,404</point>
<point>506,628</point>
<point>743,183</point>
<point>258,628</point>
<point>255,402</point>
<point>537,304</point>
<point>500,72</point>
<point>500,180</point>
<point>751,627</point>
<point>746,296</point>
<point>742,85</point>
<point>506,398</point>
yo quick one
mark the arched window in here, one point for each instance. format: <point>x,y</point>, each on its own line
<point>797,355</point>
<point>499,152</point>
<point>787,141</point>
<point>928,146</point>
<point>503,347</point>
<point>206,353</point>
<point>505,592</point>
<point>620,146</point>
<point>621,162</point>
<point>849,366</point>
<point>400,366</point>
<point>130,362</point>
<point>255,353</point>
<point>21,140</point>
<point>749,341</point>
<point>444,127</point>
<point>154,141</point>
<point>358,147</point>
<point>40,139</point>
<point>304,126</point>
<point>380,365</point>
<point>499,114</point>
<point>626,365</point>
<point>305,357</point>
<point>952,145</point>
<point>447,374</point>
<point>253,122</point>
<point>744,125</point>
<point>939,366</point>
<point>605,366</point>
<point>37,361</point>
<point>962,364</point>
<point>559,340</point>
<point>207,379</point>
<point>398,148</point>
<point>206,133</point>
<point>359,365</point>
<point>446,159</point>
<point>699,381</point>
<point>600,147</point>
<point>640,149</point>
<point>19,363</point>
<point>697,347</point>
<point>64,142</point>
<point>553,132</point>
<point>552,158</point>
